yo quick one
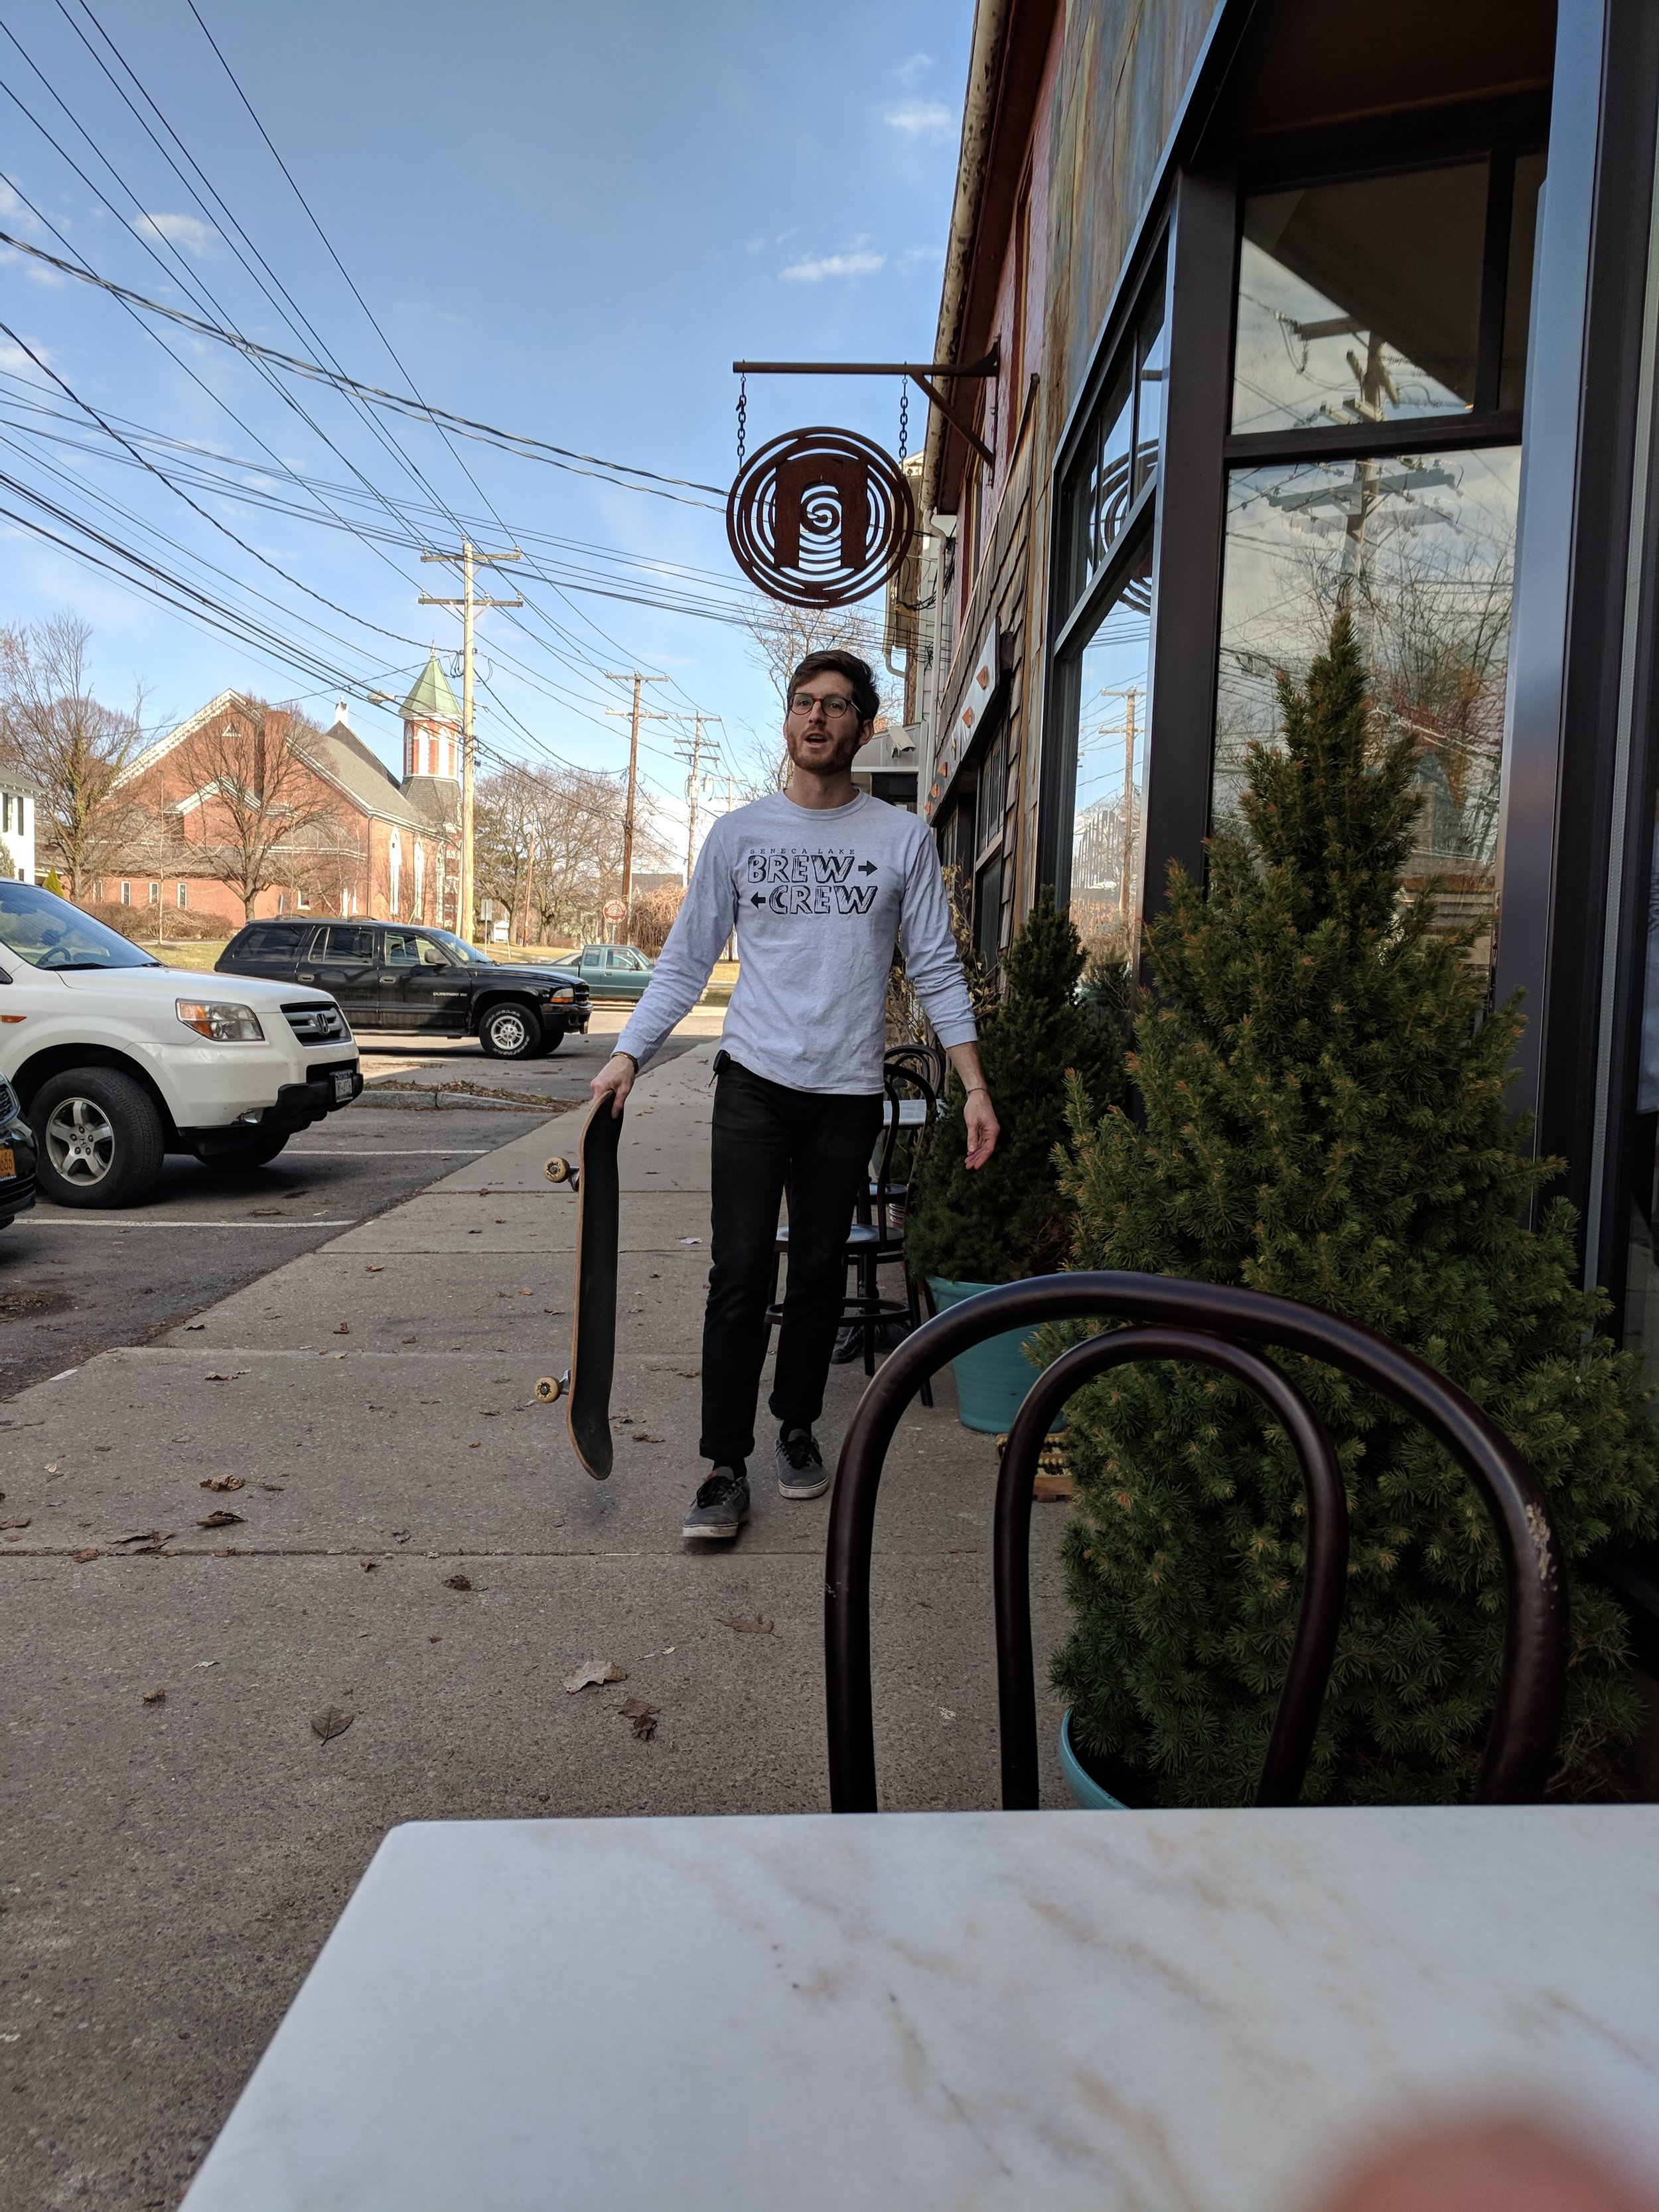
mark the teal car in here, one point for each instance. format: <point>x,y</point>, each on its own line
<point>614,971</point>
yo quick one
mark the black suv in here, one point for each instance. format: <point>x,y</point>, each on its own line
<point>387,976</point>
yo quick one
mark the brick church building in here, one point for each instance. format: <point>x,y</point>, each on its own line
<point>362,841</point>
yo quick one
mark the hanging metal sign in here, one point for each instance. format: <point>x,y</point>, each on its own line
<point>819,518</point>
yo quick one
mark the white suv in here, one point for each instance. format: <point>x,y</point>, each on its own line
<point>118,1061</point>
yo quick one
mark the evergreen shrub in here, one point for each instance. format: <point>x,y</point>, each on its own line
<point>1324,1118</point>
<point>1008,1219</point>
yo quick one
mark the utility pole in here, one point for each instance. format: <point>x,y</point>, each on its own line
<point>469,559</point>
<point>691,754</point>
<point>529,880</point>
<point>636,717</point>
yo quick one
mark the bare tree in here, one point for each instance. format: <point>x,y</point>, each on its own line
<point>653,915</point>
<point>73,748</point>
<point>255,817</point>
<point>550,838</point>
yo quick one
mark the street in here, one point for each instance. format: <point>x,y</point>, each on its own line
<point>74,1282</point>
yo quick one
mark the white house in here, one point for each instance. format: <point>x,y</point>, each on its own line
<point>17,798</point>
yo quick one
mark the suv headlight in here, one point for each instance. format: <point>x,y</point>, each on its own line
<point>224,1023</point>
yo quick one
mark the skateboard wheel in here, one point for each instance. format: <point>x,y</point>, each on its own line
<point>550,1389</point>
<point>558,1170</point>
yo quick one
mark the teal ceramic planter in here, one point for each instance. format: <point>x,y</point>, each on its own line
<point>992,1379</point>
<point>1078,1780</point>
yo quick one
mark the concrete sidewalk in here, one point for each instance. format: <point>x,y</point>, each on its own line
<point>416,1547</point>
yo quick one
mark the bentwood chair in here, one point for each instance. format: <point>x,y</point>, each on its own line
<point>1161,1318</point>
<point>875,1237</point>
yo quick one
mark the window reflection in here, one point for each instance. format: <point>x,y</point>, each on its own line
<point>1360,302</point>
<point>1421,552</point>
<point>1119,455</point>
<point>1108,836</point>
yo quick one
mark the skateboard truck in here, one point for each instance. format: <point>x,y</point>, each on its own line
<point>562,1170</point>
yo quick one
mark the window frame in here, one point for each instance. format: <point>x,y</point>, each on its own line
<point>1478,425</point>
<point>1071,626</point>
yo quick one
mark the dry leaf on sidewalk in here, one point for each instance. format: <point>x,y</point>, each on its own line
<point>593,1671</point>
<point>22,1523</point>
<point>80,1558</point>
<point>221,1519</point>
<point>225,1482</point>
<point>379,1270</point>
<point>760,1625</point>
<point>155,1697</point>
<point>642,1717</point>
<point>332,1720</point>
<point>458,1581</point>
<point>345,1329</point>
<point>146,1540</point>
<point>219,1376</point>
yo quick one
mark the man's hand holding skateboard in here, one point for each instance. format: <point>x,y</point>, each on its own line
<point>615,1079</point>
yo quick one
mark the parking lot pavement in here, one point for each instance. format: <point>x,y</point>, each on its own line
<point>74,1282</point>
<point>414,1070</point>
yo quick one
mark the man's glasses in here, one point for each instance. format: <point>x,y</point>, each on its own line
<point>803,701</point>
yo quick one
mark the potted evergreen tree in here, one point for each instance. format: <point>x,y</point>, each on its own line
<point>964,1231</point>
<point>1324,1118</point>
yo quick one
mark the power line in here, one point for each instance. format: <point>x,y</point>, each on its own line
<point>193,285</point>
<point>518,442</point>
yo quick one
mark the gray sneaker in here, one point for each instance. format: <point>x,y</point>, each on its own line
<point>720,1508</point>
<point>801,1471</point>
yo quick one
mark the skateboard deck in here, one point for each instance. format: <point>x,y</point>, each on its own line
<point>586,1390</point>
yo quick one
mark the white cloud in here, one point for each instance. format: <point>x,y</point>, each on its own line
<point>921,119</point>
<point>816,270</point>
<point>14,211</point>
<point>917,66</point>
<point>17,362</point>
<point>186,230</point>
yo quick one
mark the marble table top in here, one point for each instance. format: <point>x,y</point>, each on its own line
<point>1134,2012</point>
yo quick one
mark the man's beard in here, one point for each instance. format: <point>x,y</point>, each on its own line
<point>845,754</point>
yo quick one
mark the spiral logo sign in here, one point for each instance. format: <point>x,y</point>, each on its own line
<point>820,518</point>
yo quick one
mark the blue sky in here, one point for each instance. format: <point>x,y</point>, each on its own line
<point>566,220</point>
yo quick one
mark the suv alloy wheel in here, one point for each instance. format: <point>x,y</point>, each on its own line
<point>99,1136</point>
<point>510,1031</point>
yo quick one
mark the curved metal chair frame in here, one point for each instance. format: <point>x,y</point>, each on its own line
<point>1209,1322</point>
<point>873,1239</point>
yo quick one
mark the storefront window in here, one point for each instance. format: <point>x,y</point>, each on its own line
<point>1118,463</point>
<point>1420,551</point>
<point>1367,301</point>
<point>1109,834</point>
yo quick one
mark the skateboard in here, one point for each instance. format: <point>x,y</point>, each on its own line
<point>586,1385</point>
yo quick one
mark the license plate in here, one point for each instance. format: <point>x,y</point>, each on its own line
<point>8,1160</point>
<point>342,1088</point>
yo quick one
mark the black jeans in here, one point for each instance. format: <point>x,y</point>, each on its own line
<point>767,1139</point>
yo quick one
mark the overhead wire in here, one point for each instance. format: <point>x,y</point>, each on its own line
<point>144,226</point>
<point>375,324</point>
<point>518,443</point>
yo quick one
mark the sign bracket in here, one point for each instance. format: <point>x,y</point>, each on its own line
<point>920,373</point>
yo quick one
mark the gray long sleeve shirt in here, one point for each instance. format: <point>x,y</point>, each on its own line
<point>816,898</point>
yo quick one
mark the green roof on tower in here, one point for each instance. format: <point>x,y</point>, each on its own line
<point>432,700</point>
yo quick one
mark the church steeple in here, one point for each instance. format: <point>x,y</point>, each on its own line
<point>432,725</point>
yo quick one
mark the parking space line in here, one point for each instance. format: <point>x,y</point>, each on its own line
<point>173,1221</point>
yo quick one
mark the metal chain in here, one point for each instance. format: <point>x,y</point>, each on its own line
<point>742,419</point>
<point>904,421</point>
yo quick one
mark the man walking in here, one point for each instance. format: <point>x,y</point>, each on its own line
<point>818,882</point>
